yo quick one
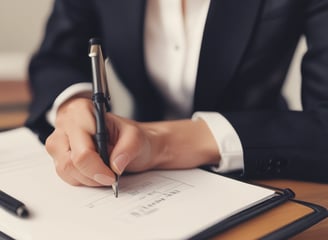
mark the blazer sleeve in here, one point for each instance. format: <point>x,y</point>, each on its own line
<point>293,144</point>
<point>61,60</point>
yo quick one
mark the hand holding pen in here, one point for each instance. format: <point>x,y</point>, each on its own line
<point>101,99</point>
<point>130,145</point>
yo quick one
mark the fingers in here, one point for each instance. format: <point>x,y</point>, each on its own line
<point>72,148</point>
<point>58,147</point>
<point>59,141</point>
<point>86,159</point>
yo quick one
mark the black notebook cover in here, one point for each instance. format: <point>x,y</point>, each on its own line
<point>317,214</point>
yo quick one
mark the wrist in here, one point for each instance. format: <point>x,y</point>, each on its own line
<point>72,109</point>
<point>75,90</point>
<point>181,144</point>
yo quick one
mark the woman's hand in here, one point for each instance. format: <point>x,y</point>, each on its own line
<point>133,146</point>
<point>72,147</point>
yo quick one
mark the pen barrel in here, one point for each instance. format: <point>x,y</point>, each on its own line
<point>101,139</point>
<point>101,136</point>
<point>9,203</point>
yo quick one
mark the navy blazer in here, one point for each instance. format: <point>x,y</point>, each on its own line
<point>246,51</point>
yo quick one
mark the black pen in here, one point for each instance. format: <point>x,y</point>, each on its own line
<point>13,205</point>
<point>4,236</point>
<point>101,99</point>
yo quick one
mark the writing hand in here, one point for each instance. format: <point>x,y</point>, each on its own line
<point>72,147</point>
<point>133,146</point>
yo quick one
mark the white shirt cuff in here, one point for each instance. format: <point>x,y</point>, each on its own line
<point>69,92</point>
<point>227,140</point>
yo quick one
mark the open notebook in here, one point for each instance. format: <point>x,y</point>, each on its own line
<point>151,205</point>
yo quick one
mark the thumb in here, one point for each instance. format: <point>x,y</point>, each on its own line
<point>127,149</point>
<point>119,162</point>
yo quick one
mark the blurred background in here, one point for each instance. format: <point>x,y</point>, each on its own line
<point>22,24</point>
<point>21,29</point>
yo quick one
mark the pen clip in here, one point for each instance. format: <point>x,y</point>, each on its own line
<point>100,81</point>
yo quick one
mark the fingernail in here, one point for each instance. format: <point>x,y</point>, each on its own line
<point>104,179</point>
<point>121,161</point>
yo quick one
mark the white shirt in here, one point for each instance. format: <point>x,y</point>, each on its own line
<point>172,45</point>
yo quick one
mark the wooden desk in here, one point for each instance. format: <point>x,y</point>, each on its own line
<point>286,213</point>
<point>310,192</point>
<point>14,98</point>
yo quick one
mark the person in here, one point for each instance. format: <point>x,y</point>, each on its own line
<point>205,77</point>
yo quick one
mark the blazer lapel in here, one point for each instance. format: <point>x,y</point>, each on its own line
<point>126,49</point>
<point>125,40</point>
<point>227,31</point>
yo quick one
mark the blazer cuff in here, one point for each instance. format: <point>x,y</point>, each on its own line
<point>227,140</point>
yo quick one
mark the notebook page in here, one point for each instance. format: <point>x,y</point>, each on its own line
<point>151,205</point>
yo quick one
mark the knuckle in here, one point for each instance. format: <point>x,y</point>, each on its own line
<point>76,115</point>
<point>81,103</point>
<point>63,167</point>
<point>139,136</point>
<point>50,144</point>
<point>72,109</point>
<point>79,159</point>
<point>135,131</point>
<point>59,121</point>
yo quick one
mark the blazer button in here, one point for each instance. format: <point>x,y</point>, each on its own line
<point>269,166</point>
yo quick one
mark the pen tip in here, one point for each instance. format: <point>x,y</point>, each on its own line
<point>115,185</point>
<point>115,189</point>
